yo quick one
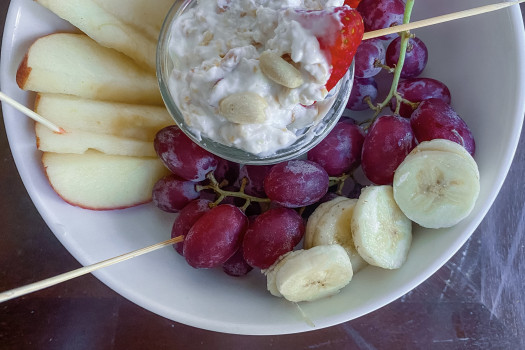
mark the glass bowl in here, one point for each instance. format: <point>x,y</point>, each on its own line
<point>309,137</point>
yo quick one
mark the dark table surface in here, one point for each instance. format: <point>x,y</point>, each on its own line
<point>474,302</point>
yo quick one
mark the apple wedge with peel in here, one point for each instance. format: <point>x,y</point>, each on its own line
<point>147,16</point>
<point>79,142</point>
<point>74,64</point>
<point>98,181</point>
<point>106,29</point>
<point>138,122</point>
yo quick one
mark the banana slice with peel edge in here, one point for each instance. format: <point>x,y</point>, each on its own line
<point>307,275</point>
<point>382,233</point>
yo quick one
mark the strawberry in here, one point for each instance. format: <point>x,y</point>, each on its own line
<point>352,3</point>
<point>339,31</point>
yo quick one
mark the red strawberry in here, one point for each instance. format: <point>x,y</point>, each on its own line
<point>339,31</point>
<point>352,3</point>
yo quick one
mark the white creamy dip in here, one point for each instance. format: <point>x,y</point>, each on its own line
<point>215,47</point>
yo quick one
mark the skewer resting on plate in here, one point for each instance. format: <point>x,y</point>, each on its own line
<point>35,116</point>
<point>13,293</point>
<point>440,19</point>
<point>368,35</point>
<point>33,287</point>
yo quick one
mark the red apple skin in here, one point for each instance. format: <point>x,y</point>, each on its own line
<point>23,72</point>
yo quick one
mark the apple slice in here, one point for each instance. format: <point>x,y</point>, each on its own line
<point>147,16</point>
<point>98,181</point>
<point>79,142</point>
<point>106,29</point>
<point>139,122</point>
<point>76,65</point>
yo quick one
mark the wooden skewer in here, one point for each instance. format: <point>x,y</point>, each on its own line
<point>33,287</point>
<point>36,117</point>
<point>439,19</point>
<point>369,35</point>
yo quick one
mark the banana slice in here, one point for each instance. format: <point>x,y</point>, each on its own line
<point>271,273</point>
<point>307,275</point>
<point>382,233</point>
<point>446,146</point>
<point>333,227</point>
<point>314,219</point>
<point>436,189</point>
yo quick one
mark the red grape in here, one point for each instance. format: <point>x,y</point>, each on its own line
<point>186,218</point>
<point>255,175</point>
<point>271,235</point>
<point>182,156</point>
<point>215,236</point>
<point>296,183</point>
<point>311,208</point>
<point>340,151</point>
<point>417,90</point>
<point>415,60</point>
<point>379,14</point>
<point>362,88</point>
<point>368,53</point>
<point>389,139</point>
<point>207,194</point>
<point>171,193</point>
<point>351,189</point>
<point>236,265</point>
<point>226,170</point>
<point>435,119</point>
<point>327,198</point>
<point>253,209</point>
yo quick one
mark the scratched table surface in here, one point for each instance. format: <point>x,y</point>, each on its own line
<point>476,301</point>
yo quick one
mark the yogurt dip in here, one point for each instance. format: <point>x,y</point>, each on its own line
<point>216,47</point>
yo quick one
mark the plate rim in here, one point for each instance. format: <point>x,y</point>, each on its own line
<point>8,112</point>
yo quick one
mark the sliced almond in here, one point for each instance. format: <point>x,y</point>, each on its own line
<point>208,36</point>
<point>244,108</point>
<point>277,69</point>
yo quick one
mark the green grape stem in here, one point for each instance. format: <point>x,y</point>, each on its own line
<point>216,187</point>
<point>405,37</point>
<point>339,181</point>
<point>384,66</point>
<point>401,100</point>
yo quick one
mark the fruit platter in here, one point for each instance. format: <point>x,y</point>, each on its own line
<point>306,277</point>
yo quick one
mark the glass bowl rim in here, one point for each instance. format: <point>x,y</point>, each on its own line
<point>302,145</point>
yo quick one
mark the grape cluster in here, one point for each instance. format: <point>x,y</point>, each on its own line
<point>238,217</point>
<point>244,217</point>
<point>420,106</point>
<point>220,213</point>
